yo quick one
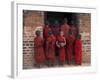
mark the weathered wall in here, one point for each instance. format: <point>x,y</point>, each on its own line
<point>32,20</point>
<point>85,30</point>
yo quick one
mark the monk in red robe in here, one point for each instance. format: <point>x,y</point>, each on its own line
<point>50,49</point>
<point>70,47</point>
<point>65,27</point>
<point>73,28</point>
<point>78,50</point>
<point>55,28</point>
<point>38,50</point>
<point>46,30</point>
<point>61,42</point>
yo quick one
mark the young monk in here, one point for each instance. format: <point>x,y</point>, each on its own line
<point>55,30</point>
<point>70,47</point>
<point>78,50</point>
<point>61,42</point>
<point>65,27</point>
<point>46,30</point>
<point>73,28</point>
<point>50,49</point>
<point>38,50</point>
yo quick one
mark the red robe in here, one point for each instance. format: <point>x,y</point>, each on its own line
<point>46,32</point>
<point>38,50</point>
<point>50,51</point>
<point>78,51</point>
<point>62,54</point>
<point>73,29</point>
<point>65,28</point>
<point>45,36</point>
<point>70,47</point>
<point>55,30</point>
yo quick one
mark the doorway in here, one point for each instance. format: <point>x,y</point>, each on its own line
<point>59,16</point>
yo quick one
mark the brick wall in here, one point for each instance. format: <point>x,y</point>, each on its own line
<point>32,20</point>
<point>85,30</point>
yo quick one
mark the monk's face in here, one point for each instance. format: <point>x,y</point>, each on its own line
<point>61,33</point>
<point>47,25</point>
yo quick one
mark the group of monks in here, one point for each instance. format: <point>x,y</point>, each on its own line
<point>60,45</point>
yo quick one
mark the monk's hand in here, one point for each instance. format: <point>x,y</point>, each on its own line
<point>62,44</point>
<point>58,46</point>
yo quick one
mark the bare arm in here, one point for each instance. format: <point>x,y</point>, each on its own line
<point>57,44</point>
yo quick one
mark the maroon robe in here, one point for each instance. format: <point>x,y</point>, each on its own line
<point>78,52</point>
<point>73,29</point>
<point>55,30</point>
<point>70,47</point>
<point>65,28</point>
<point>62,54</point>
<point>38,50</point>
<point>45,32</point>
<point>45,36</point>
<point>50,51</point>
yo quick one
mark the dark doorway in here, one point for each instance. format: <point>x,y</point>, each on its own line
<point>59,16</point>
